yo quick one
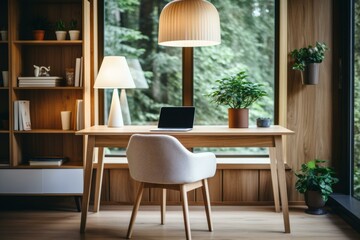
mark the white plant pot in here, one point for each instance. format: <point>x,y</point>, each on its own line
<point>4,35</point>
<point>74,34</point>
<point>60,35</point>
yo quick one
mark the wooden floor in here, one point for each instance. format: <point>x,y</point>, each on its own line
<point>230,222</point>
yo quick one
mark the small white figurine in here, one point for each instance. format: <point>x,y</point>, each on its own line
<point>41,71</point>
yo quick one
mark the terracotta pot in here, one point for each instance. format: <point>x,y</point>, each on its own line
<point>311,74</point>
<point>315,203</point>
<point>39,34</point>
<point>238,117</point>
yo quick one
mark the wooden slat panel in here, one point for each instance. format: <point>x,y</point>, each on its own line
<point>172,196</point>
<point>240,185</point>
<point>123,188</point>
<point>215,188</point>
<point>309,111</point>
<point>265,186</point>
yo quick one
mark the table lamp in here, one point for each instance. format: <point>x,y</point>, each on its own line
<point>114,73</point>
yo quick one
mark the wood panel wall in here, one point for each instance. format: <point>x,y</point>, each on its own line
<point>310,107</point>
<point>309,114</point>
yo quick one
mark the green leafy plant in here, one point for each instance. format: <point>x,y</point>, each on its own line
<point>73,24</point>
<point>40,23</point>
<point>314,177</point>
<point>310,54</point>
<point>236,91</point>
<point>60,25</point>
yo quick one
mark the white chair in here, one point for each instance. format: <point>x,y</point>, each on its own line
<point>161,161</point>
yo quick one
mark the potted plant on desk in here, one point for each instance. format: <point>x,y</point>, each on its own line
<point>307,61</point>
<point>238,94</point>
<point>315,181</point>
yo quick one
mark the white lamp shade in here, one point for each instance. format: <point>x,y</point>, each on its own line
<point>189,23</point>
<point>114,73</point>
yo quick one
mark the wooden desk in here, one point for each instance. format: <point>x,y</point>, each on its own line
<point>200,136</point>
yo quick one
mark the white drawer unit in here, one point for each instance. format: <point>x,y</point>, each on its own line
<point>41,181</point>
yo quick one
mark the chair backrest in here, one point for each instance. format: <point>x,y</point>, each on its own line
<point>162,159</point>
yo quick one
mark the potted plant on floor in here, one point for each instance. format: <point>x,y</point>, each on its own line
<point>238,94</point>
<point>60,30</point>
<point>73,31</point>
<point>315,181</point>
<point>40,25</point>
<point>307,61</point>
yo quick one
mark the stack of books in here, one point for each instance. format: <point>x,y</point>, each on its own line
<point>40,81</point>
<point>47,161</point>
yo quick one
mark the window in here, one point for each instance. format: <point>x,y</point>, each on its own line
<point>356,105</point>
<point>248,42</point>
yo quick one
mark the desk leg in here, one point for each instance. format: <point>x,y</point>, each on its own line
<point>99,177</point>
<point>87,182</point>
<point>282,182</point>
<point>274,178</point>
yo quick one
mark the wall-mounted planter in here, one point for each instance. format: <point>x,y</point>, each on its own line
<point>311,74</point>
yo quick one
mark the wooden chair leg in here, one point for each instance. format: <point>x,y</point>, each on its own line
<point>183,192</point>
<point>135,210</point>
<point>206,197</point>
<point>163,206</point>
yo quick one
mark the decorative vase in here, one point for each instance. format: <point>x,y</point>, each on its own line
<point>60,35</point>
<point>38,35</point>
<point>315,203</point>
<point>311,74</point>
<point>263,122</point>
<point>74,34</point>
<point>238,117</point>
<point>4,35</point>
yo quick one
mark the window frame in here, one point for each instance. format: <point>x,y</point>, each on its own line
<point>280,71</point>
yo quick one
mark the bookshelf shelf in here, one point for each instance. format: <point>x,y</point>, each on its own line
<point>46,131</point>
<point>48,42</point>
<point>48,88</point>
<point>63,166</point>
<point>4,131</point>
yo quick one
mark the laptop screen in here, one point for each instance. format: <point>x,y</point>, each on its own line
<point>176,117</point>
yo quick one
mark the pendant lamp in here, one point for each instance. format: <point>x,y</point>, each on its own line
<point>189,23</point>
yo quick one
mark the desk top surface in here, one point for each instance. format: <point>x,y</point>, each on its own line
<point>197,130</point>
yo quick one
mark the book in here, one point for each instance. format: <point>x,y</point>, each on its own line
<point>79,114</point>
<point>77,72</point>
<point>47,161</point>
<point>16,115</point>
<point>24,113</point>
<point>81,71</point>
<point>40,81</point>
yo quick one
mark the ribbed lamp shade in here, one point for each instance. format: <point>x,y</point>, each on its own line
<point>189,23</point>
<point>114,73</point>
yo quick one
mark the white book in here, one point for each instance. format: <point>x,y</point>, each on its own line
<point>77,72</point>
<point>24,112</point>
<point>81,71</point>
<point>79,122</point>
<point>16,115</point>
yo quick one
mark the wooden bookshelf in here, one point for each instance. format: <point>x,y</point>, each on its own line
<point>19,54</point>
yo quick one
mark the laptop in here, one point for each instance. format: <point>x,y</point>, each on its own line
<point>179,119</point>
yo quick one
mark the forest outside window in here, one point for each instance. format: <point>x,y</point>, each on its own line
<point>248,43</point>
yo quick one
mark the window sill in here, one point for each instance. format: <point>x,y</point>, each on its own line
<point>251,163</point>
<point>348,208</point>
